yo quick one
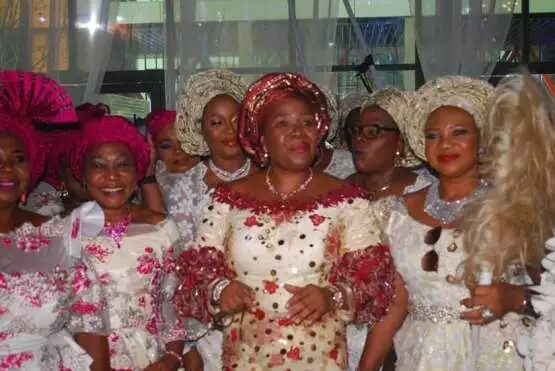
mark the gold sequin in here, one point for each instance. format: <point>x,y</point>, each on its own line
<point>452,247</point>
<point>508,346</point>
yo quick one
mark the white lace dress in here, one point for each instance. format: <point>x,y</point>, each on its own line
<point>185,202</point>
<point>432,336</point>
<point>139,284</point>
<point>48,293</point>
<point>356,334</point>
<point>44,200</point>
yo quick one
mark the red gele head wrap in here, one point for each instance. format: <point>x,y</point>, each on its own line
<point>28,97</point>
<point>109,129</point>
<point>158,120</point>
<point>270,88</point>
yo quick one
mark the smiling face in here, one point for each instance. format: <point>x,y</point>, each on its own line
<point>375,140</point>
<point>290,134</point>
<point>452,142</point>
<point>169,151</point>
<point>110,175</point>
<point>15,169</point>
<point>219,127</point>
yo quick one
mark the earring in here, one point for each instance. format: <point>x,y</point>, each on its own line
<point>64,194</point>
<point>398,162</point>
<point>23,199</point>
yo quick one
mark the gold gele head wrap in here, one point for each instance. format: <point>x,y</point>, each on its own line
<point>469,94</point>
<point>193,98</point>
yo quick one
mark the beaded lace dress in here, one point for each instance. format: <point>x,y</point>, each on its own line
<point>334,239</point>
<point>432,336</point>
<point>139,282</point>
<point>48,293</point>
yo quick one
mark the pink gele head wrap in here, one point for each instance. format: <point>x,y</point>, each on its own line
<point>25,131</point>
<point>109,129</point>
<point>157,120</point>
<point>27,98</point>
<point>271,88</point>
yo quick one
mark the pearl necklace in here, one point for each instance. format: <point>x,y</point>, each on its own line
<point>118,230</point>
<point>285,196</point>
<point>230,176</point>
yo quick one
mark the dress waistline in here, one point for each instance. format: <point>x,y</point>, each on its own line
<point>434,313</point>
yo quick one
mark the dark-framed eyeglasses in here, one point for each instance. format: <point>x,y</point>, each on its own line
<point>369,132</point>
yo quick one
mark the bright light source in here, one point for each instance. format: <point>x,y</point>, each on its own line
<point>92,25</point>
<point>119,18</point>
<point>42,19</point>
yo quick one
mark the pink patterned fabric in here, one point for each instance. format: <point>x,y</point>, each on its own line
<point>271,88</point>
<point>35,96</point>
<point>157,120</point>
<point>108,129</point>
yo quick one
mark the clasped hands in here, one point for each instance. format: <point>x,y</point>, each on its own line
<point>308,303</point>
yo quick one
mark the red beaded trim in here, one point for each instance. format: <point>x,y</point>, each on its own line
<point>224,194</point>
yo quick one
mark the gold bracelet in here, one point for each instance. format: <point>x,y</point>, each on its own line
<point>175,355</point>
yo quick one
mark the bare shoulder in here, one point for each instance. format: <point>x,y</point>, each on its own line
<point>325,183</point>
<point>142,215</point>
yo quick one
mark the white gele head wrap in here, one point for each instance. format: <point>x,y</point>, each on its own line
<point>193,98</point>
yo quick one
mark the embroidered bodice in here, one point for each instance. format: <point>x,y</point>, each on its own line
<point>332,240</point>
<point>48,293</point>
<point>137,279</point>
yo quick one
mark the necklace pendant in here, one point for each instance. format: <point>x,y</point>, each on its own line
<point>452,247</point>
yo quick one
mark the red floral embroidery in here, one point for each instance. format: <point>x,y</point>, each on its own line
<point>32,243</point>
<point>317,219</point>
<point>84,307</point>
<point>3,282</point>
<point>3,310</point>
<point>234,334</point>
<point>285,322</point>
<point>14,360</point>
<point>147,264</point>
<point>105,278</point>
<point>259,314</point>
<point>270,287</point>
<point>7,242</point>
<point>294,353</point>
<point>142,301</point>
<point>276,359</point>
<point>334,353</point>
<point>251,221</point>
<point>61,366</point>
<point>149,250</point>
<point>81,280</point>
<point>97,251</point>
<point>151,326</point>
<point>75,228</point>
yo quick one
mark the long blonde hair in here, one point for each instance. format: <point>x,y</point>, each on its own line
<point>513,220</point>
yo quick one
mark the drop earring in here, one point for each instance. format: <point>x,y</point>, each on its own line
<point>23,199</point>
<point>398,162</point>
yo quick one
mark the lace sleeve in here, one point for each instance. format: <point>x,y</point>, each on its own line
<point>365,266</point>
<point>166,181</point>
<point>204,264</point>
<point>88,310</point>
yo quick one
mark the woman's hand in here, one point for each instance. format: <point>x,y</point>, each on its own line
<point>151,170</point>
<point>236,297</point>
<point>309,303</point>
<point>500,298</point>
<point>192,361</point>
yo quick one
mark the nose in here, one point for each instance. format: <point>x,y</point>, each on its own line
<point>444,142</point>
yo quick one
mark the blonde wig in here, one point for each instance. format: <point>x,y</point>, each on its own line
<point>512,221</point>
<point>194,96</point>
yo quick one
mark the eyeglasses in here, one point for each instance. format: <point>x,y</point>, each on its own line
<point>430,260</point>
<point>370,132</point>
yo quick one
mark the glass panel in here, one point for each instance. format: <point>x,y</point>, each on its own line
<point>542,6</point>
<point>348,82</point>
<point>130,105</point>
<point>542,39</point>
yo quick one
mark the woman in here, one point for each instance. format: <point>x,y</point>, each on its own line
<point>509,225</point>
<point>44,326</point>
<point>385,166</point>
<point>333,161</point>
<point>293,253</point>
<point>377,140</point>
<point>449,133</point>
<point>134,254</point>
<point>206,125</point>
<point>161,130</point>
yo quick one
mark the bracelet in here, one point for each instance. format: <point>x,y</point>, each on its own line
<point>150,179</point>
<point>218,289</point>
<point>337,297</point>
<point>175,355</point>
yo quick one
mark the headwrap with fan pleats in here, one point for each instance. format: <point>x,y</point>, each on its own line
<point>27,98</point>
<point>110,129</point>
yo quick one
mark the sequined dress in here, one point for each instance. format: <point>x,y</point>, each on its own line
<point>333,239</point>
<point>432,336</point>
<point>138,280</point>
<point>48,293</point>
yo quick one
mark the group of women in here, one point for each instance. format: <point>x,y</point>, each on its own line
<point>264,227</point>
